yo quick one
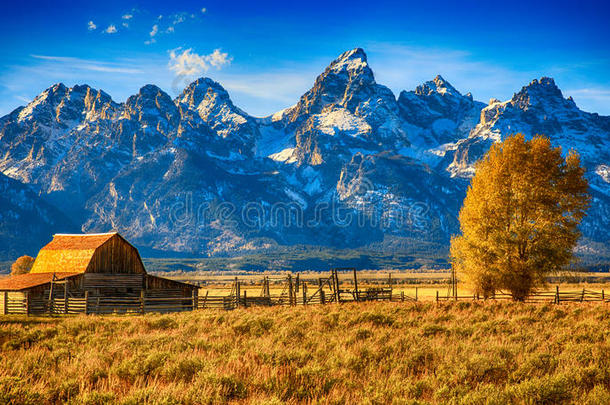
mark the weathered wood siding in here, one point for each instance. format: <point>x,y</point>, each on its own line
<point>116,256</point>
<point>164,286</point>
<point>12,302</point>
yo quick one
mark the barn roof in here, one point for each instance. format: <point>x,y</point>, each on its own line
<point>88,241</point>
<point>69,252</point>
<point>25,281</point>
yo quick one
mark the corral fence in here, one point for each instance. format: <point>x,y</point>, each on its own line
<point>549,296</point>
<point>295,291</point>
<point>25,304</point>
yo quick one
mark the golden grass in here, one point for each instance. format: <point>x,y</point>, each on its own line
<point>377,353</point>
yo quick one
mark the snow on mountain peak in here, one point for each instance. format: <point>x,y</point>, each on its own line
<point>542,93</point>
<point>201,89</point>
<point>436,85</point>
<point>350,60</point>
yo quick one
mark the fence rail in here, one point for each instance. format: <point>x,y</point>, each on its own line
<point>550,296</point>
<point>326,290</point>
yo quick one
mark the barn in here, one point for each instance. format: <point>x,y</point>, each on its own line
<point>92,273</point>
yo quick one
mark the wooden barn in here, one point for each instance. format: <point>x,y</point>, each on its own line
<point>92,273</point>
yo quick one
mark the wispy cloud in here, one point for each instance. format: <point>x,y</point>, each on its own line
<point>403,67</point>
<point>189,63</point>
<point>593,99</point>
<point>127,16</point>
<point>111,29</point>
<point>88,64</point>
<point>204,10</point>
<point>91,26</point>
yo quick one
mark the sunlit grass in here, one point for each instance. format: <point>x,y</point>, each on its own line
<point>354,353</point>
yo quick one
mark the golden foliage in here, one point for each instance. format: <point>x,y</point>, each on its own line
<point>520,218</point>
<point>22,265</point>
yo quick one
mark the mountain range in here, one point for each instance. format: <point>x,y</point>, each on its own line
<point>349,165</point>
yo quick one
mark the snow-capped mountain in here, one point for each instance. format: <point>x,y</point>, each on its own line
<point>348,165</point>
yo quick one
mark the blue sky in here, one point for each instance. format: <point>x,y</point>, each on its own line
<point>268,53</point>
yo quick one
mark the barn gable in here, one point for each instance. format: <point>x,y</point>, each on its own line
<point>107,253</point>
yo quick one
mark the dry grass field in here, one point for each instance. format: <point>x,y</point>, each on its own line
<point>377,353</point>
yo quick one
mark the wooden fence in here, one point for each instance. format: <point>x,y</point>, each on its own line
<point>324,290</point>
<point>550,296</point>
<point>97,305</point>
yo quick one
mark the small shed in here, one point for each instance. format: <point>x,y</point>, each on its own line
<point>102,269</point>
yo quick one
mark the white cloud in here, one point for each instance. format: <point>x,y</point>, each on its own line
<point>91,26</point>
<point>203,10</point>
<point>178,18</point>
<point>127,16</point>
<point>126,25</point>
<point>153,33</point>
<point>111,29</point>
<point>189,63</point>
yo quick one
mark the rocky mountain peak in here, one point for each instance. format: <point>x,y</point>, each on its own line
<point>150,106</point>
<point>65,106</point>
<point>348,82</point>
<point>203,89</point>
<point>438,85</point>
<point>542,94</point>
<point>351,61</point>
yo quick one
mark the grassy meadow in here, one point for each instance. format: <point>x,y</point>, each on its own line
<point>377,353</point>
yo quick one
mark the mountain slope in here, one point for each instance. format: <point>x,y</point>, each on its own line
<point>26,222</point>
<point>348,165</point>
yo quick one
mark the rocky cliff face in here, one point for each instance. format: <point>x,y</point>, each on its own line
<point>26,221</point>
<point>347,165</point>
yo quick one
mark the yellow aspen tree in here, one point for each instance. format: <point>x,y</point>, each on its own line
<point>520,217</point>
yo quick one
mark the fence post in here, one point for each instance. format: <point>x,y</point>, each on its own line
<point>356,284</point>
<point>195,299</point>
<point>86,302</point>
<point>304,286</point>
<point>142,304</point>
<point>237,292</point>
<point>582,298</point>
<point>603,296</point>
<point>245,299</point>
<point>322,300</point>
<point>436,295</point>
<point>415,293</point>
<point>27,303</point>
<point>65,297</point>
<point>556,294</point>
<point>5,307</point>
<point>402,296</point>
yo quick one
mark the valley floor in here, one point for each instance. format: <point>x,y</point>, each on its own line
<point>465,352</point>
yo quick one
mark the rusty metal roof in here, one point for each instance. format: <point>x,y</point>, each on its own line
<point>25,281</point>
<point>69,253</point>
